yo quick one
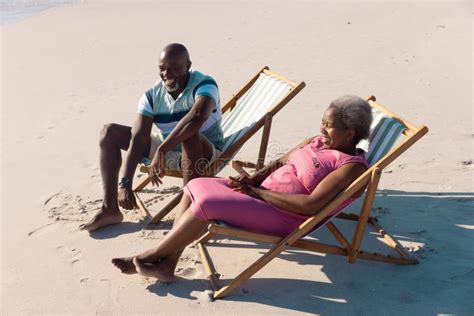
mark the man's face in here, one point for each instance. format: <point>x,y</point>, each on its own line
<point>173,72</point>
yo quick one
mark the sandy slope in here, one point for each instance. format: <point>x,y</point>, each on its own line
<point>68,71</point>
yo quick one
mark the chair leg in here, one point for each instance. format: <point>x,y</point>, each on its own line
<point>281,245</point>
<point>206,237</point>
<point>166,209</point>
<point>393,243</point>
<point>212,275</point>
<point>141,206</point>
<point>364,215</point>
<point>142,184</point>
<point>264,142</point>
<point>251,270</point>
<point>405,258</point>
<point>338,235</point>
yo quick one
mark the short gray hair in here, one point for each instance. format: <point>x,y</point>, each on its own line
<point>354,113</point>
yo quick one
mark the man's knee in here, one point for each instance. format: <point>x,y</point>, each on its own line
<point>198,143</point>
<point>194,140</point>
<point>107,134</point>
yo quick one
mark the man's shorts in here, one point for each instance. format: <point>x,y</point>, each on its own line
<point>173,158</point>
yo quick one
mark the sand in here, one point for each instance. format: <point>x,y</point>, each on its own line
<point>69,70</point>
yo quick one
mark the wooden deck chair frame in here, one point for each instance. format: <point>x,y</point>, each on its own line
<point>349,249</point>
<point>265,122</point>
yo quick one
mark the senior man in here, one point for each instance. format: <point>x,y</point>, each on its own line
<point>184,105</point>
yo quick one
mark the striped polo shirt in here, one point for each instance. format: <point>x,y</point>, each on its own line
<point>166,112</point>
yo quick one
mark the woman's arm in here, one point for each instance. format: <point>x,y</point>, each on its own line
<point>310,204</point>
<point>256,178</point>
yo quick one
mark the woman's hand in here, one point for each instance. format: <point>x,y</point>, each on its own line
<point>246,189</point>
<point>242,179</point>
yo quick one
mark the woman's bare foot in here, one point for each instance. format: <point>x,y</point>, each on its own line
<point>125,265</point>
<point>103,218</point>
<point>159,270</point>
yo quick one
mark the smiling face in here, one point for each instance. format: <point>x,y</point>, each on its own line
<point>174,71</point>
<point>335,134</point>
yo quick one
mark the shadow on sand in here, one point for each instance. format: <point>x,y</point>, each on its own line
<point>440,224</point>
<point>116,230</point>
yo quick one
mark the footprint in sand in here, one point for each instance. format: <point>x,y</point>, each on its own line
<point>206,296</point>
<point>187,272</point>
<point>189,259</point>
<point>466,162</point>
<point>147,281</point>
<point>40,230</point>
<point>66,207</point>
<point>152,196</point>
<point>381,211</point>
<point>72,255</point>
<point>148,202</point>
<point>151,234</point>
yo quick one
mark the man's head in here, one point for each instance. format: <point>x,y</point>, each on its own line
<point>174,67</point>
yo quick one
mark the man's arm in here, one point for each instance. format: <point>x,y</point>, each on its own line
<point>257,177</point>
<point>190,124</point>
<point>141,131</point>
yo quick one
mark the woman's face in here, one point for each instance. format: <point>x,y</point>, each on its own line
<point>335,135</point>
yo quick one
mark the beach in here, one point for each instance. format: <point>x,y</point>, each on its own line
<point>68,71</point>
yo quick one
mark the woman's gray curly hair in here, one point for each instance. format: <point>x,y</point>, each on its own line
<point>354,113</point>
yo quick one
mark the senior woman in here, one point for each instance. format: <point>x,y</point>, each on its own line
<point>274,200</point>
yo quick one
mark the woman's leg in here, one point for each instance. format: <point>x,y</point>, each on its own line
<point>161,261</point>
<point>165,256</point>
<point>126,265</point>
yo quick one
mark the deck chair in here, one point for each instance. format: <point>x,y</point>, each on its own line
<point>250,109</point>
<point>385,130</point>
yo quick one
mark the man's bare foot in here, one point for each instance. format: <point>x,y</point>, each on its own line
<point>125,265</point>
<point>103,218</point>
<point>158,270</point>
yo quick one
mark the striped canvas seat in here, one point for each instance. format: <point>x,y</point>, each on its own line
<point>252,106</point>
<point>384,132</point>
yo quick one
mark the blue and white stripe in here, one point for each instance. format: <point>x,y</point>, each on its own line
<point>384,132</point>
<point>252,106</point>
<point>166,111</point>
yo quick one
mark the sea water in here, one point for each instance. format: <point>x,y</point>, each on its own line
<point>15,10</point>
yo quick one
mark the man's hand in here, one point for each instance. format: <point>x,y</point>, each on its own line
<point>126,198</point>
<point>156,170</point>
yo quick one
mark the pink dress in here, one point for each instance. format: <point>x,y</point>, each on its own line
<point>213,199</point>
